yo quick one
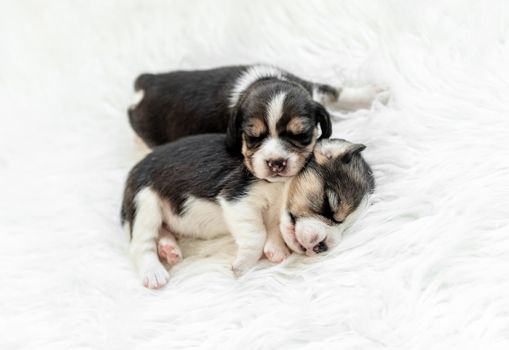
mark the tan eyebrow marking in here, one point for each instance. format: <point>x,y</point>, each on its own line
<point>256,127</point>
<point>295,126</point>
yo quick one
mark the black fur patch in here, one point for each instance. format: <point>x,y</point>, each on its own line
<point>196,166</point>
<point>183,103</point>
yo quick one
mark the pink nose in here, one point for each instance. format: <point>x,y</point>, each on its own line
<point>277,165</point>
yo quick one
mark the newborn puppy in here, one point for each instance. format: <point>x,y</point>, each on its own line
<point>326,197</point>
<point>194,187</point>
<point>269,116</point>
<point>183,103</point>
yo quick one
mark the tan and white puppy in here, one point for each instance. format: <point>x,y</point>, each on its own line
<point>326,197</point>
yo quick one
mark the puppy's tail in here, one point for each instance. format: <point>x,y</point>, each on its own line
<point>140,85</point>
<point>142,82</point>
<point>135,112</point>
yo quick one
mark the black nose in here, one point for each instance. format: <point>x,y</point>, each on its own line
<point>320,247</point>
<point>276,165</point>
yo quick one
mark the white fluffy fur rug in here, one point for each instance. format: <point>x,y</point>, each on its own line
<point>427,267</point>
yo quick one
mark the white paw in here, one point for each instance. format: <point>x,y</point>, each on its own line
<point>363,97</point>
<point>240,266</point>
<point>371,93</point>
<point>237,270</point>
<point>154,276</point>
<point>382,94</point>
<point>276,251</point>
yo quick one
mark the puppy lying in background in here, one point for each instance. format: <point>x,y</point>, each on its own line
<point>184,103</point>
<point>194,187</point>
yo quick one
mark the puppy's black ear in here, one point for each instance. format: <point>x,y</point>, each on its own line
<point>323,118</point>
<point>233,132</point>
<point>352,150</point>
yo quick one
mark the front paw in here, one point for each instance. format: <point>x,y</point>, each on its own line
<point>154,276</point>
<point>352,98</point>
<point>241,266</point>
<point>237,270</point>
<point>380,93</point>
<point>370,94</point>
<point>276,251</point>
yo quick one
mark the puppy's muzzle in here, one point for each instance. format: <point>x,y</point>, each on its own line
<point>320,247</point>
<point>277,166</point>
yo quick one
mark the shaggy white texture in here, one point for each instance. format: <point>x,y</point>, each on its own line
<point>427,267</point>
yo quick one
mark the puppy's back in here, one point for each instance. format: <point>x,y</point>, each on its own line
<point>182,103</point>
<point>196,165</point>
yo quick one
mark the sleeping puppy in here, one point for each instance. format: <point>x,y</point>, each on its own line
<point>326,197</point>
<point>269,115</point>
<point>195,188</point>
<point>183,103</point>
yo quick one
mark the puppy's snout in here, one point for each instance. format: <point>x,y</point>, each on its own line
<point>320,247</point>
<point>277,165</point>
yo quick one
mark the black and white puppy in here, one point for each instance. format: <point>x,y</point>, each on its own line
<point>194,187</point>
<point>271,115</point>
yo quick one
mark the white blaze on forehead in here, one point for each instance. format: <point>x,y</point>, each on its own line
<point>251,75</point>
<point>275,111</point>
<point>273,149</point>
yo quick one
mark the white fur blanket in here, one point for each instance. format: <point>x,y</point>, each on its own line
<point>427,267</point>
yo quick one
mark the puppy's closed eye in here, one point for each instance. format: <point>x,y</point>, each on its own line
<point>253,140</point>
<point>303,138</point>
<point>329,206</point>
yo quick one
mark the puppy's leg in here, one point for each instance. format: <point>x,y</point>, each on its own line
<point>349,98</point>
<point>275,248</point>
<point>147,223</point>
<point>167,246</point>
<point>245,222</point>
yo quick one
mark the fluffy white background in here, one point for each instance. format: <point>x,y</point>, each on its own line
<point>427,267</point>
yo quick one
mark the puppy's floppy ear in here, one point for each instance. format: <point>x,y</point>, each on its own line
<point>355,148</point>
<point>327,150</point>
<point>323,118</point>
<point>233,132</point>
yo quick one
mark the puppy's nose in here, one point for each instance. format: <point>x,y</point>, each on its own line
<point>277,165</point>
<point>320,247</point>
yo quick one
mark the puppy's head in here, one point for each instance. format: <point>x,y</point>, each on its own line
<point>275,126</point>
<point>326,197</point>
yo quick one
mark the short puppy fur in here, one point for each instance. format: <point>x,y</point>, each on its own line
<point>195,187</point>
